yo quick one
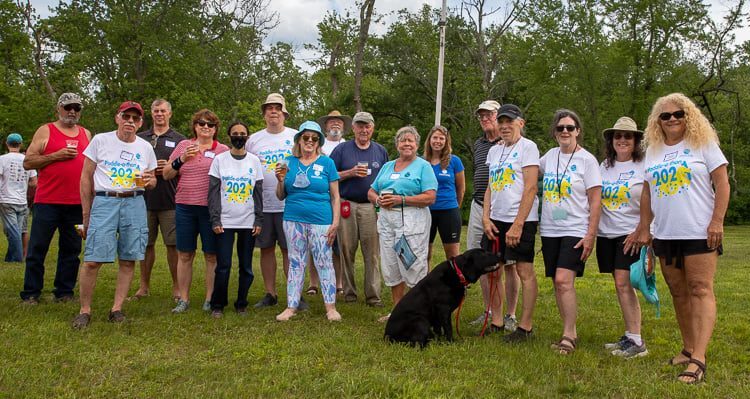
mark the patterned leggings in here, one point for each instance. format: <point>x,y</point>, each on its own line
<point>301,239</point>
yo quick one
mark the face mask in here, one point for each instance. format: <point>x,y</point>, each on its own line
<point>334,134</point>
<point>238,141</point>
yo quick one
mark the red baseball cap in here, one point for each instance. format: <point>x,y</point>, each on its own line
<point>130,105</point>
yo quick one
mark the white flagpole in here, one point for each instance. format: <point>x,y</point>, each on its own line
<point>441,61</point>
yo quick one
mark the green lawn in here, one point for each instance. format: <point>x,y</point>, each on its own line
<point>157,354</point>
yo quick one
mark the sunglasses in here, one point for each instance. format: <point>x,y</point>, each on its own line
<point>74,107</point>
<point>130,117</point>
<point>665,116</point>
<point>154,141</point>
<point>314,139</point>
<point>569,128</point>
<point>205,123</point>
<point>623,135</point>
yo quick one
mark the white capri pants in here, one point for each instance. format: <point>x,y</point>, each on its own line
<point>416,226</point>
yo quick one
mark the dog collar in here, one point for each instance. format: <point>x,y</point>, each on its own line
<point>460,275</point>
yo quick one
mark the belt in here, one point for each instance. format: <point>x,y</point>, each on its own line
<point>126,194</point>
<point>355,201</point>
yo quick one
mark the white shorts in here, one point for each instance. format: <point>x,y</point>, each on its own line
<point>416,226</point>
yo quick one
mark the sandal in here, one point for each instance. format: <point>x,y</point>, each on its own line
<point>697,375</point>
<point>565,345</point>
<point>312,290</point>
<point>683,352</point>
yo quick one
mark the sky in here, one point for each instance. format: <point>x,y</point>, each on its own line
<point>298,19</point>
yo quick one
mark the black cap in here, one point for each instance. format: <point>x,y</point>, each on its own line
<point>510,111</point>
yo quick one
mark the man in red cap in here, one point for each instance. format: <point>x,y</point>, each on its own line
<point>118,167</point>
<point>56,152</point>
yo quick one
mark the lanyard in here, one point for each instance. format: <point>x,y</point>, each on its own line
<point>559,178</point>
<point>504,157</point>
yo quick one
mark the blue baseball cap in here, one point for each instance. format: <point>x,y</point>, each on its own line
<point>14,138</point>
<point>313,127</point>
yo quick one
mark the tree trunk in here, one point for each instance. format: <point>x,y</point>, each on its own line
<point>365,15</point>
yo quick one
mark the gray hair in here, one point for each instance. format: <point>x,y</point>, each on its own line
<point>160,101</point>
<point>407,130</point>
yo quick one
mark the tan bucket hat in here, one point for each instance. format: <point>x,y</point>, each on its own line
<point>336,114</point>
<point>275,98</point>
<point>624,124</point>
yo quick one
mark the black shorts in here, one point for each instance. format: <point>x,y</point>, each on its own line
<point>272,231</point>
<point>675,251</point>
<point>610,256</point>
<point>558,252</point>
<point>524,252</point>
<point>448,223</point>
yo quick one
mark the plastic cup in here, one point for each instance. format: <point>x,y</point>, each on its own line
<point>139,183</point>
<point>71,144</point>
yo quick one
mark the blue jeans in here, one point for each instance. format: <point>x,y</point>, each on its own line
<point>48,218</point>
<point>14,222</point>
<point>245,246</point>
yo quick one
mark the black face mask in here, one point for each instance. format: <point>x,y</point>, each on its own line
<point>238,141</point>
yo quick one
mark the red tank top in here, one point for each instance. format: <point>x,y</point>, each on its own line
<point>60,182</point>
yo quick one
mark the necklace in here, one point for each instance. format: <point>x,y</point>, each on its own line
<point>559,178</point>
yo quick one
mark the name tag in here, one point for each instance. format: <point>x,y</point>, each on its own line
<point>126,156</point>
<point>209,154</point>
<point>169,143</point>
<point>395,176</point>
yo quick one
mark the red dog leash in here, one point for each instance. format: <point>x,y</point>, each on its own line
<point>495,249</point>
<point>463,282</point>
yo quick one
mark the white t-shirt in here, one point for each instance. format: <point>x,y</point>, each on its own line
<point>329,146</point>
<point>506,179</point>
<point>566,211</point>
<point>270,148</point>
<point>14,179</point>
<point>621,198</point>
<point>117,161</point>
<point>238,178</point>
<point>682,197</point>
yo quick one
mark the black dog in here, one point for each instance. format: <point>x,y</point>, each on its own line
<point>425,311</point>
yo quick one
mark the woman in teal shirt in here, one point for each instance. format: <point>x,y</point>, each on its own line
<point>404,189</point>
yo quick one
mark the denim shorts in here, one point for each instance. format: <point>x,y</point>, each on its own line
<point>117,226</point>
<point>191,221</point>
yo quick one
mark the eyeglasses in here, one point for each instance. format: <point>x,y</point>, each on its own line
<point>665,116</point>
<point>623,135</point>
<point>154,140</point>
<point>74,107</point>
<point>486,116</point>
<point>569,128</point>
<point>130,117</point>
<point>205,123</point>
<point>314,139</point>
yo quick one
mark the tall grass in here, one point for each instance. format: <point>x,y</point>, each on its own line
<point>157,354</point>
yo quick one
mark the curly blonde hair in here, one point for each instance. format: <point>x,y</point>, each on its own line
<point>445,153</point>
<point>698,130</point>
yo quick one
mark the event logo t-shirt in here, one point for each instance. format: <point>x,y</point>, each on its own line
<point>682,197</point>
<point>506,179</point>
<point>566,180</point>
<point>621,197</point>
<point>271,148</point>
<point>118,162</point>
<point>238,178</point>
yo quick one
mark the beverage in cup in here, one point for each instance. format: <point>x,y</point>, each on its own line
<point>79,229</point>
<point>363,164</point>
<point>71,144</point>
<point>139,183</point>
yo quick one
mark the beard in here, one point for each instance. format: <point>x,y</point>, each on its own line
<point>334,134</point>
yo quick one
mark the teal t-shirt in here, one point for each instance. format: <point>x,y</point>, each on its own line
<point>310,201</point>
<point>415,179</point>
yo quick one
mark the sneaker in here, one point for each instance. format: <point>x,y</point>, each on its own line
<point>63,299</point>
<point>206,306</point>
<point>33,301</point>
<point>267,300</point>
<point>217,313</point>
<point>510,323</point>
<point>182,306</point>
<point>518,335</point>
<point>303,305</point>
<point>480,319</point>
<point>617,345</point>
<point>81,321</point>
<point>116,316</point>
<point>631,350</point>
<point>242,311</point>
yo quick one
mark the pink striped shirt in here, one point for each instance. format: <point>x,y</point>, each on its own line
<point>192,189</point>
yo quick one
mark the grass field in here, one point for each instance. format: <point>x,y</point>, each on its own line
<point>157,354</point>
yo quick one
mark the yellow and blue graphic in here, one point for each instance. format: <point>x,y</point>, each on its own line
<point>122,174</point>
<point>237,190</point>
<point>270,158</point>
<point>615,195</point>
<point>668,179</point>
<point>552,193</point>
<point>502,177</point>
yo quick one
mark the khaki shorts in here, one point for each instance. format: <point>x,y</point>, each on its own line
<point>163,220</point>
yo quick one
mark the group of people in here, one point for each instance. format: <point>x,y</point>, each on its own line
<point>319,197</point>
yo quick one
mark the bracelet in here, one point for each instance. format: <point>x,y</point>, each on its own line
<point>177,163</point>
